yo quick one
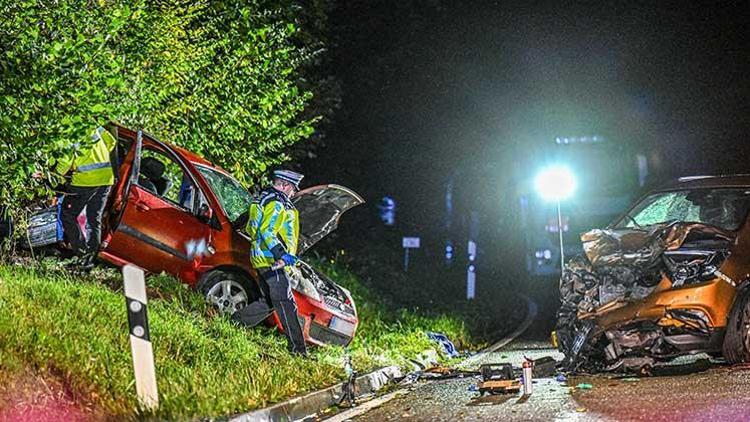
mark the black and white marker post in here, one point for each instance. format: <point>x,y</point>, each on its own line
<point>140,339</point>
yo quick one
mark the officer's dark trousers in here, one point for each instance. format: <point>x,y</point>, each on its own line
<point>93,199</point>
<point>280,292</point>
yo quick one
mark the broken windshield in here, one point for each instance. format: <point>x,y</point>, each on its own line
<point>234,199</point>
<point>726,208</point>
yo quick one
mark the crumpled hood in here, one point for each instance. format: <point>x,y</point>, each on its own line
<point>643,247</point>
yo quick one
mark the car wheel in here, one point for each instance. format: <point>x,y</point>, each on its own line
<point>227,291</point>
<point>736,347</point>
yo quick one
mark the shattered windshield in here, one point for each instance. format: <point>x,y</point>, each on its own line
<point>726,208</point>
<point>233,197</point>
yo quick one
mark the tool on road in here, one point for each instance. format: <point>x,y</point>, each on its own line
<point>497,378</point>
<point>496,371</point>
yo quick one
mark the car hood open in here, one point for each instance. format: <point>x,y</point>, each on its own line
<point>320,208</point>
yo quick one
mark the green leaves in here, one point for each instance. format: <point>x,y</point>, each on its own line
<point>218,78</point>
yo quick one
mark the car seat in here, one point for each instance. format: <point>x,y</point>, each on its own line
<point>152,176</point>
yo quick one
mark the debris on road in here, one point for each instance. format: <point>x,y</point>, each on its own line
<point>496,371</point>
<point>448,347</point>
<point>527,377</point>
<point>499,387</point>
<point>584,386</point>
<point>442,372</point>
<point>426,359</point>
<point>544,367</point>
<point>435,373</point>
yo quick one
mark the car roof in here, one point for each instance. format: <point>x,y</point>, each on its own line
<point>699,182</point>
<point>190,156</point>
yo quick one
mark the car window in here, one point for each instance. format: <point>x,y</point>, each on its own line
<point>234,198</point>
<point>726,208</point>
<point>163,176</point>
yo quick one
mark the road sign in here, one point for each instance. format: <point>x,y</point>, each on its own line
<point>411,243</point>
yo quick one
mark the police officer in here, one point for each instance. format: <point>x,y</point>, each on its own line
<point>273,226</point>
<point>91,181</point>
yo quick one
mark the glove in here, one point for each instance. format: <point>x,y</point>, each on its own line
<point>289,259</point>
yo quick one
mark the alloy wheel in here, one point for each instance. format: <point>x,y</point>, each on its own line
<point>228,296</point>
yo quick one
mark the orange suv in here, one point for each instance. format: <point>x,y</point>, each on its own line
<point>669,277</point>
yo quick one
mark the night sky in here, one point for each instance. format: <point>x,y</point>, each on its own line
<point>433,88</point>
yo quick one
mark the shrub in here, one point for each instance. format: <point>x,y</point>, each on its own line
<point>219,78</point>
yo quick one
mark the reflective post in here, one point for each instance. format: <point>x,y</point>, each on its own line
<point>140,338</point>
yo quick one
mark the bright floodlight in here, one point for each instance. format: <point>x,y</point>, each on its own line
<point>555,183</point>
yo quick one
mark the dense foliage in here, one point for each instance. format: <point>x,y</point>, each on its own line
<point>221,78</point>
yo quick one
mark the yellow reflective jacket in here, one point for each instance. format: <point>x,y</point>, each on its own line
<point>273,226</point>
<point>91,167</point>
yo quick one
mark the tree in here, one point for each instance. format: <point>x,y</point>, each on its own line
<point>220,78</point>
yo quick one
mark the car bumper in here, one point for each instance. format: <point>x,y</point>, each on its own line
<point>322,324</point>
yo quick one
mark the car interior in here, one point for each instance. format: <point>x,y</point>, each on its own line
<point>159,174</point>
<point>152,176</point>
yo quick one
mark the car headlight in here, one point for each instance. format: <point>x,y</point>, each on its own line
<point>305,287</point>
<point>349,299</point>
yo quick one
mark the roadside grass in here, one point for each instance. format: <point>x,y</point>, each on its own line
<point>76,327</point>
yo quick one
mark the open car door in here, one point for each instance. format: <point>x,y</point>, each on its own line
<point>155,220</point>
<point>320,208</point>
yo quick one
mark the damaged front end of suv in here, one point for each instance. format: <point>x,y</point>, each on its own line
<point>665,280</point>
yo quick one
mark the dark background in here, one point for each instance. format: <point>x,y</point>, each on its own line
<point>469,88</point>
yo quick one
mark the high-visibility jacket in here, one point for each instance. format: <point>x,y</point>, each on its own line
<point>91,167</point>
<point>273,226</point>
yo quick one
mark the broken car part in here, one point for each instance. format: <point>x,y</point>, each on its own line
<point>662,282</point>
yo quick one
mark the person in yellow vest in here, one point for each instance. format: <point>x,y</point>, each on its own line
<point>273,226</point>
<point>91,180</point>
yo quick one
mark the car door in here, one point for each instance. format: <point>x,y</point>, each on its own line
<point>159,227</point>
<point>320,208</point>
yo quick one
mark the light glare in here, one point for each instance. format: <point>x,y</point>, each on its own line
<point>555,183</point>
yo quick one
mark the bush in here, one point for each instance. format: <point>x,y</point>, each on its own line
<point>219,78</point>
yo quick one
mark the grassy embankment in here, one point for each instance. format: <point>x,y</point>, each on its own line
<point>76,329</point>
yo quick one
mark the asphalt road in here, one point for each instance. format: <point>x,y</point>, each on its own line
<point>719,393</point>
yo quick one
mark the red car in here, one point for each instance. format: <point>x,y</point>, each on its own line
<point>172,211</point>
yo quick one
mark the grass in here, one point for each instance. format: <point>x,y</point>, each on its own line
<point>76,327</point>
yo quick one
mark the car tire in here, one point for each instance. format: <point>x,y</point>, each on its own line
<point>736,347</point>
<point>228,291</point>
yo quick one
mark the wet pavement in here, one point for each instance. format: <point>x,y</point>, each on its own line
<point>719,393</point>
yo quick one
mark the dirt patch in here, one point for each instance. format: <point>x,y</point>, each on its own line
<point>28,395</point>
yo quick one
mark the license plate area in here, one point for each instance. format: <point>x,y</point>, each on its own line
<point>342,326</point>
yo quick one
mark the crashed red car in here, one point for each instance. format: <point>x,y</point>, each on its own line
<point>175,212</point>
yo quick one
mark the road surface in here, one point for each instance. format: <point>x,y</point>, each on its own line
<point>719,394</point>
